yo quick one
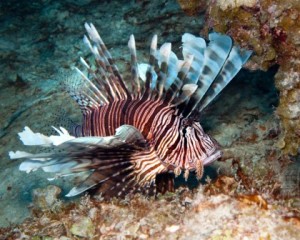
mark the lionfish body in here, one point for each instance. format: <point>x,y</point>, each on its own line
<point>133,133</point>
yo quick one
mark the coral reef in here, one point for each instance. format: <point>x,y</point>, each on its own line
<point>37,39</point>
<point>271,29</point>
<point>213,212</point>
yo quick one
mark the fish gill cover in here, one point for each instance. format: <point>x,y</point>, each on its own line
<point>134,133</point>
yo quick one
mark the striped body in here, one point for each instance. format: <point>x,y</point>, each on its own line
<point>173,141</point>
<point>135,136</point>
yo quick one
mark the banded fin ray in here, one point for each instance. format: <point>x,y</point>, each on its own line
<point>165,75</point>
<point>82,90</point>
<point>151,70</point>
<point>178,88</point>
<point>215,55</point>
<point>102,75</point>
<point>105,81</point>
<point>145,69</point>
<point>135,82</point>
<point>202,65</point>
<point>122,163</point>
<point>237,58</point>
<point>111,67</point>
<point>193,46</point>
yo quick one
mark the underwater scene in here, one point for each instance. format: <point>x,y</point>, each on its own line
<point>139,119</point>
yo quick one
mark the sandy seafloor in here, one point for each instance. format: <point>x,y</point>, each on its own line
<point>38,39</point>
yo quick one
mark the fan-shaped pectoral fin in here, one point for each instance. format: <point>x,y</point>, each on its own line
<point>116,165</point>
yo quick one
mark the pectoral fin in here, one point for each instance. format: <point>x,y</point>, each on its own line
<point>116,165</point>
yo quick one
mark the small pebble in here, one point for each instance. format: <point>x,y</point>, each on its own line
<point>172,228</point>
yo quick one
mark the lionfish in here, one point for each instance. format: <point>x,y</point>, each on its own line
<point>136,137</point>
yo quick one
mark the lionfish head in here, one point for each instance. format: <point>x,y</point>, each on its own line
<point>201,148</point>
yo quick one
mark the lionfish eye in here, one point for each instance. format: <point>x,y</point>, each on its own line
<point>187,123</point>
<point>184,130</point>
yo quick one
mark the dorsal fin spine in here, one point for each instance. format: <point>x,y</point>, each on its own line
<point>135,83</point>
<point>236,59</point>
<point>93,90</point>
<point>153,65</point>
<point>94,35</point>
<point>215,55</point>
<point>165,51</point>
<point>189,84</point>
<point>101,69</point>
<point>153,49</point>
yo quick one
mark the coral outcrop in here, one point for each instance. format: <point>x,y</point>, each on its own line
<point>272,30</point>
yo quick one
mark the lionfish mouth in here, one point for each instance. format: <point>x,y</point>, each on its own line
<point>213,157</point>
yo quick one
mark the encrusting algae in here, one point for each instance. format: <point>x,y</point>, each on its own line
<point>271,29</point>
